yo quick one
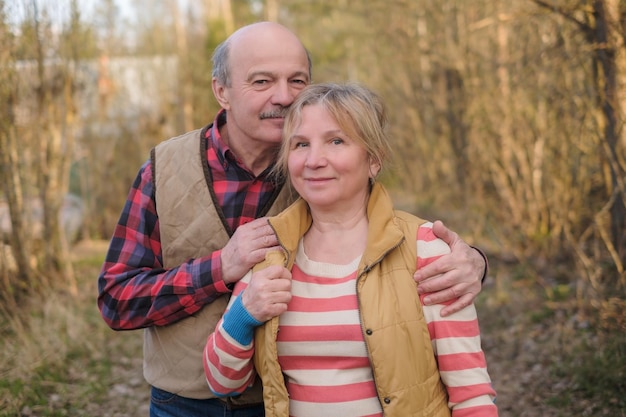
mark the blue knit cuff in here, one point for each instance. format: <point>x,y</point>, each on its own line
<point>239,324</point>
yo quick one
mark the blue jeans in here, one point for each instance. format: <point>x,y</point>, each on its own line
<point>166,404</point>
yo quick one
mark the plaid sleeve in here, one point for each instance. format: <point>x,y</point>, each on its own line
<point>134,290</point>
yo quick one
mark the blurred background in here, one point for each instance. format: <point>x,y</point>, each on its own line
<point>507,120</point>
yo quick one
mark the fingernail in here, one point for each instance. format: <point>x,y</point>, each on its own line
<point>420,290</point>
<point>426,300</point>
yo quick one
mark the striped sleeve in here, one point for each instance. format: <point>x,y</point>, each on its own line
<point>228,352</point>
<point>456,343</point>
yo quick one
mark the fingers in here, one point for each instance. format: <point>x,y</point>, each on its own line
<point>456,306</point>
<point>247,247</point>
<point>438,284</point>
<point>268,293</point>
<point>256,235</point>
<point>449,286</point>
<point>433,270</point>
<point>439,291</point>
<point>445,234</point>
<point>462,265</point>
<point>443,266</point>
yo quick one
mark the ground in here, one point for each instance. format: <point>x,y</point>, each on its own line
<point>515,358</point>
<point>522,350</point>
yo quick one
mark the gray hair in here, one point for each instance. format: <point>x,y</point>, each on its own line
<point>220,63</point>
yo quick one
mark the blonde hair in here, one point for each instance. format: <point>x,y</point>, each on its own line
<point>359,112</point>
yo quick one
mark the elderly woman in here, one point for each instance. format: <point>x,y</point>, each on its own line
<point>334,324</point>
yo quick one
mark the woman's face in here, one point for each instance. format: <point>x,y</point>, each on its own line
<point>328,169</point>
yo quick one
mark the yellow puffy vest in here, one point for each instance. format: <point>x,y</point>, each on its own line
<point>394,328</point>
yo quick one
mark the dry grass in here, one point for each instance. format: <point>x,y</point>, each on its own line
<point>58,358</point>
<point>546,359</point>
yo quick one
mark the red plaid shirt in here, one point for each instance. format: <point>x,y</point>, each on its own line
<point>135,290</point>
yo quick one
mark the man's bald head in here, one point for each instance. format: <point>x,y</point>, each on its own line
<point>244,39</point>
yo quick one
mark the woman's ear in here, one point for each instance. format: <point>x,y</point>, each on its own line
<point>374,167</point>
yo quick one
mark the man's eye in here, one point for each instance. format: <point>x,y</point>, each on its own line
<point>260,82</point>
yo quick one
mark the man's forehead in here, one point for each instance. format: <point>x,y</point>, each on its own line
<point>274,64</point>
<point>272,53</point>
<point>282,72</point>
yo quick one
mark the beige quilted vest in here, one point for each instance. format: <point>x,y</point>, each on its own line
<point>190,227</point>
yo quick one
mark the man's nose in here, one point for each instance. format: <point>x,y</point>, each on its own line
<point>283,94</point>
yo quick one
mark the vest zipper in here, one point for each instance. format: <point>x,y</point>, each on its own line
<point>366,270</point>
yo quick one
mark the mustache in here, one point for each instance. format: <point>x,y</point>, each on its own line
<point>278,113</point>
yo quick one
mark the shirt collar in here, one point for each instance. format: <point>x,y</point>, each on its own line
<point>222,151</point>
<point>224,154</point>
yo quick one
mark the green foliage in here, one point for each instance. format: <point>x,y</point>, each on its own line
<point>541,315</point>
<point>58,357</point>
<point>598,374</point>
<point>93,261</point>
<point>25,43</point>
<point>77,40</point>
<point>56,389</point>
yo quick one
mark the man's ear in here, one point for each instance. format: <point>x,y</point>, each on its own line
<point>221,93</point>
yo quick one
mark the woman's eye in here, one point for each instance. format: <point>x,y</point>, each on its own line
<point>337,141</point>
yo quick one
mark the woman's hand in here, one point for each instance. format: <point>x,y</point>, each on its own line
<point>268,293</point>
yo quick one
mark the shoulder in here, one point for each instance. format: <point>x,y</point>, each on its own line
<point>405,219</point>
<point>414,223</point>
<point>428,244</point>
<point>191,136</point>
<point>176,150</point>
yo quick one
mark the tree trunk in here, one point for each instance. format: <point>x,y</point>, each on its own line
<point>221,10</point>
<point>607,41</point>
<point>55,110</point>
<point>271,10</point>
<point>184,69</point>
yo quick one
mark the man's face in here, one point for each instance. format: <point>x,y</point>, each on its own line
<point>267,71</point>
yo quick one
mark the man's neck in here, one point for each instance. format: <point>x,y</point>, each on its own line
<point>256,158</point>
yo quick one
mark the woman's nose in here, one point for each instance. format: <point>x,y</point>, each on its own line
<point>316,156</point>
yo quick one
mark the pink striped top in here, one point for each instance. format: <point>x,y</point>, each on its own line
<point>322,352</point>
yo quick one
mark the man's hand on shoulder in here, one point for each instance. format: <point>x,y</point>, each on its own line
<point>455,276</point>
<point>246,248</point>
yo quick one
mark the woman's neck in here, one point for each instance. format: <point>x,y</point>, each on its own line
<point>337,239</point>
